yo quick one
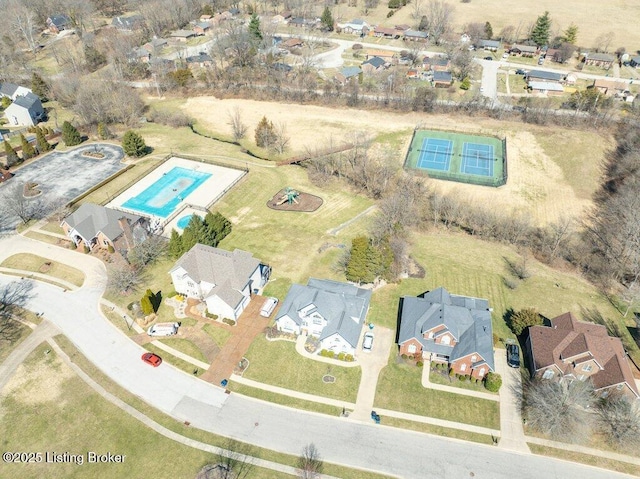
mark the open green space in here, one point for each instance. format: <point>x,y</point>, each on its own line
<point>185,346</point>
<point>117,319</point>
<point>596,461</point>
<point>54,410</point>
<point>53,227</point>
<point>38,264</point>
<point>218,334</point>
<point>277,363</point>
<point>283,400</point>
<point>517,83</point>
<point>437,430</point>
<point>400,389</point>
<point>190,432</point>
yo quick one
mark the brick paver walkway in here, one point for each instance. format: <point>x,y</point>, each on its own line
<point>249,325</point>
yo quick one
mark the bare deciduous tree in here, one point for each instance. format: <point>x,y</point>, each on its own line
<point>440,18</point>
<point>147,252</point>
<point>310,464</point>
<point>124,279</point>
<point>238,127</point>
<point>619,421</point>
<point>281,138</point>
<point>13,297</point>
<point>18,17</point>
<point>14,203</point>
<point>559,408</point>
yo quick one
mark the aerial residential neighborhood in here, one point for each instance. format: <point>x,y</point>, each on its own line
<point>355,239</point>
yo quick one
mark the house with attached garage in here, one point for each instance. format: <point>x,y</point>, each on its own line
<point>523,50</point>
<point>354,27</point>
<point>602,60</point>
<point>98,227</point>
<point>26,110</point>
<point>443,327</point>
<point>58,23</point>
<point>541,75</point>
<point>224,280</point>
<point>331,311</point>
<point>565,349</point>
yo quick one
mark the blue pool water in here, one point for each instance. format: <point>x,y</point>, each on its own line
<point>184,221</point>
<point>163,196</point>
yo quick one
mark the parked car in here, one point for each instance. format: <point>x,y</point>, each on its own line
<point>268,307</point>
<point>488,58</point>
<point>152,359</point>
<point>520,71</point>
<point>513,355</point>
<point>163,329</point>
<point>367,344</point>
<point>505,55</point>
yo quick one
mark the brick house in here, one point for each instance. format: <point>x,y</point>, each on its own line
<point>58,23</point>
<point>568,349</point>
<point>523,50</point>
<point>602,60</point>
<point>442,327</point>
<point>96,226</point>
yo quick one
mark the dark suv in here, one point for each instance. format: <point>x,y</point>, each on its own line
<point>513,355</point>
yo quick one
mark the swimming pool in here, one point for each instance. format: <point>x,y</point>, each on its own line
<point>184,221</point>
<point>162,197</point>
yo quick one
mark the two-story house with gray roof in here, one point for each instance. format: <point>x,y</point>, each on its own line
<point>332,311</point>
<point>448,328</point>
<point>224,280</point>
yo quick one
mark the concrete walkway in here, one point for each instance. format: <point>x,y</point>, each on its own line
<point>42,332</point>
<point>584,450</point>
<point>426,383</point>
<point>44,277</point>
<point>510,405</point>
<point>302,339</point>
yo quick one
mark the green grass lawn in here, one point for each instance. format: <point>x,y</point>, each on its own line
<point>218,334</point>
<point>596,461</point>
<point>118,321</point>
<point>517,84</point>
<point>32,262</point>
<point>185,346</point>
<point>277,363</point>
<point>437,378</point>
<point>56,411</point>
<point>185,366</point>
<point>45,238</point>
<point>53,227</point>
<point>284,400</point>
<point>400,389</point>
<point>437,430</point>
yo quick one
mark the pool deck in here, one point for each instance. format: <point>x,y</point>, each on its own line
<point>197,201</point>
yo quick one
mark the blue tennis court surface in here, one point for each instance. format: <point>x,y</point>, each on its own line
<point>435,154</point>
<point>163,196</point>
<point>477,159</point>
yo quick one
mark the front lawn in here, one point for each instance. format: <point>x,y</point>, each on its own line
<point>400,389</point>
<point>38,264</point>
<point>219,335</point>
<point>277,363</point>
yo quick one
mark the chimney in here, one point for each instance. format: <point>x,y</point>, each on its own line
<point>126,230</point>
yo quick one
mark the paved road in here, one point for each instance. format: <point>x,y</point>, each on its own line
<point>365,445</point>
<point>489,78</point>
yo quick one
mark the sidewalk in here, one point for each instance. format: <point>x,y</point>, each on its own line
<point>583,450</point>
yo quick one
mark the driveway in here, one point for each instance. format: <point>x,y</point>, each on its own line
<point>62,176</point>
<point>489,77</point>
<point>511,429</point>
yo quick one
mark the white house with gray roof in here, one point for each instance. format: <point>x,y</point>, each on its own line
<point>444,327</point>
<point>224,280</point>
<point>25,110</point>
<point>332,311</point>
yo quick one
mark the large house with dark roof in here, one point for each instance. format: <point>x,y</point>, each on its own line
<point>224,280</point>
<point>58,23</point>
<point>448,328</point>
<point>96,226</point>
<point>568,349</point>
<point>332,311</point>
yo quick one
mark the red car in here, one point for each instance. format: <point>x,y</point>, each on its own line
<point>152,359</point>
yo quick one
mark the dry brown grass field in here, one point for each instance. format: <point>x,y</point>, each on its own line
<point>552,172</point>
<point>593,18</point>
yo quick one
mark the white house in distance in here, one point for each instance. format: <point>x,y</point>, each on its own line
<point>26,109</point>
<point>333,312</point>
<point>224,280</point>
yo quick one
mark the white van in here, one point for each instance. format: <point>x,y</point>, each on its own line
<point>163,329</point>
<point>268,307</point>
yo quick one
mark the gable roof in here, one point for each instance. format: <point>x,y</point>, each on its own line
<point>59,20</point>
<point>8,89</point>
<point>568,340</point>
<point>127,23</point>
<point>343,305</point>
<point>182,34</point>
<point>439,60</point>
<point>349,72</point>
<point>199,58</point>
<point>610,84</point>
<point>91,219</point>
<point>545,85</point>
<point>27,101</point>
<point>467,319</point>
<point>600,57</point>
<point>375,62</point>
<point>442,76</point>
<point>416,34</point>
<point>490,43</point>
<point>524,48</point>
<point>544,75</point>
<point>228,270</point>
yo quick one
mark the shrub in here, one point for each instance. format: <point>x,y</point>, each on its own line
<point>390,13</point>
<point>465,84</point>
<point>145,305</point>
<point>518,321</point>
<point>103,131</point>
<point>228,321</point>
<point>175,119</point>
<point>172,293</point>
<point>492,382</point>
<point>452,373</point>
<point>210,315</point>
<point>419,364</point>
<point>86,249</point>
<point>110,249</point>
<point>341,356</point>
<point>467,377</point>
<point>403,356</point>
<point>348,358</point>
<point>461,377</point>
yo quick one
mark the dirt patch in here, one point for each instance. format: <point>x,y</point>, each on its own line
<point>39,383</point>
<point>414,269</point>
<point>303,202</point>
<point>31,190</point>
<point>45,267</point>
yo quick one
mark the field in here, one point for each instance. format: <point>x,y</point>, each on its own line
<point>552,171</point>
<point>592,18</point>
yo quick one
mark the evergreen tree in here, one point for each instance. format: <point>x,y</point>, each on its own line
<point>217,227</point>
<point>70,135</point>
<point>358,266</point>
<point>193,233</point>
<point>145,303</point>
<point>27,148</point>
<point>133,144</point>
<point>265,133</point>
<point>39,87</point>
<point>5,101</point>
<point>327,20</point>
<point>41,141</point>
<point>175,245</point>
<point>254,28</point>
<point>540,32</point>
<point>488,31</point>
<point>570,35</point>
<point>103,131</point>
<point>12,156</point>
<point>94,58</point>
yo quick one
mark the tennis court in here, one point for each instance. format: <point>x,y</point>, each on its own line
<point>477,159</point>
<point>444,155</point>
<point>435,154</point>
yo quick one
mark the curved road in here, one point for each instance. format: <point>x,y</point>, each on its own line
<point>364,445</point>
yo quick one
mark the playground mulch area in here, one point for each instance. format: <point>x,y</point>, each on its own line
<point>306,202</point>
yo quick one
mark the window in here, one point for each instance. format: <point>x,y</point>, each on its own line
<point>463,367</point>
<point>430,335</point>
<point>317,321</point>
<point>474,358</point>
<point>587,367</point>
<point>445,339</point>
<point>548,374</point>
<point>411,348</point>
<point>482,371</point>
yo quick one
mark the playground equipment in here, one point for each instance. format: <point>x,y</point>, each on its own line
<point>290,196</point>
